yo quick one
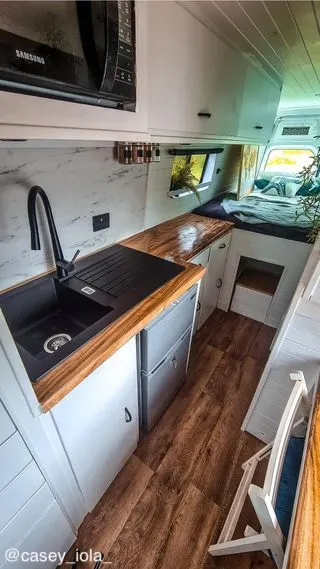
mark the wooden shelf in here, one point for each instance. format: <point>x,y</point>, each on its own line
<point>261,281</point>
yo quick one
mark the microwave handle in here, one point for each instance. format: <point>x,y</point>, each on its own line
<point>99,23</point>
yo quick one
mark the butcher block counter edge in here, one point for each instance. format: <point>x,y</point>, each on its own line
<point>62,379</point>
<point>304,551</point>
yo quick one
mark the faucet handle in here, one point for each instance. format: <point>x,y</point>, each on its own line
<point>74,257</point>
<point>68,266</point>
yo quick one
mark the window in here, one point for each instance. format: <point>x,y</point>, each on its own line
<point>197,162</point>
<point>288,160</point>
<point>199,173</point>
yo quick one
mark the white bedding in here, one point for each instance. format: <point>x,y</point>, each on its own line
<point>262,208</point>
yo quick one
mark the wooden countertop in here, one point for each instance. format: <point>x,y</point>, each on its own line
<point>181,238</point>
<point>178,240</point>
<point>304,550</point>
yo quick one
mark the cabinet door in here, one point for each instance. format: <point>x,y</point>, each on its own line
<point>201,259</point>
<point>259,106</point>
<point>213,279</point>
<point>187,74</point>
<point>98,423</point>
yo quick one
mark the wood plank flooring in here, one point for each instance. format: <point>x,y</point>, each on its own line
<point>170,500</point>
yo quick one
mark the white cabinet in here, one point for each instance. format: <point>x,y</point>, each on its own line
<point>190,70</point>
<point>24,116</point>
<point>30,517</point>
<point>98,422</point>
<point>259,106</point>
<point>214,277</point>
<point>214,259</point>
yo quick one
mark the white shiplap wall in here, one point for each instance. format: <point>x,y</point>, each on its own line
<point>297,347</point>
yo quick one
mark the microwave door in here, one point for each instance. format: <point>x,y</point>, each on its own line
<point>107,32</point>
<point>40,44</point>
<point>98,24</point>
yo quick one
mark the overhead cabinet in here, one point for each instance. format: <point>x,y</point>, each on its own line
<point>259,106</point>
<point>200,87</point>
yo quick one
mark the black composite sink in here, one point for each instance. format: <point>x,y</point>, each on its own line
<point>50,319</point>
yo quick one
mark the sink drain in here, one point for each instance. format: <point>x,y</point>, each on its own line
<point>55,342</point>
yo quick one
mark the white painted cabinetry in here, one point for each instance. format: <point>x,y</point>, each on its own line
<point>98,423</point>
<point>30,517</point>
<point>296,347</point>
<point>260,101</point>
<point>190,71</point>
<point>214,259</point>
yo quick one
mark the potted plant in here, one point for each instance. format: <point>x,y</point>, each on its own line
<point>309,204</point>
<point>183,179</point>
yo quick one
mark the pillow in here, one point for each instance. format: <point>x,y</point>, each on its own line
<point>310,188</point>
<point>283,186</point>
<point>261,183</point>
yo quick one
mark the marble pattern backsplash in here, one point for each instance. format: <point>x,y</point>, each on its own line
<point>80,183</point>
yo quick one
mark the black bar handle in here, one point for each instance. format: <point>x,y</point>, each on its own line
<point>219,283</point>
<point>222,246</point>
<point>205,115</point>
<point>258,127</point>
<point>128,415</point>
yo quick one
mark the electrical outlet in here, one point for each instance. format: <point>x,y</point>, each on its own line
<point>101,221</point>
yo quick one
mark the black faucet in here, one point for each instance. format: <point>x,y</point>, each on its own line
<point>63,267</point>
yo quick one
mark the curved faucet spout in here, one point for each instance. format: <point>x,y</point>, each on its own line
<point>63,266</point>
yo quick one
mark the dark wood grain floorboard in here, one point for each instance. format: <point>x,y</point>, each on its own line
<point>171,499</point>
<point>260,348</point>
<point>154,445</point>
<point>244,336</point>
<point>194,511</point>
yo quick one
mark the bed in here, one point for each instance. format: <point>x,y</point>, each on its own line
<point>260,212</point>
<point>266,229</point>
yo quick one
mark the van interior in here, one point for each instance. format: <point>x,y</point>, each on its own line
<point>160,284</point>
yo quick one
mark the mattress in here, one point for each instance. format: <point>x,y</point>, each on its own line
<point>215,209</point>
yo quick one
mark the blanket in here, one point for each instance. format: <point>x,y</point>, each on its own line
<point>262,208</point>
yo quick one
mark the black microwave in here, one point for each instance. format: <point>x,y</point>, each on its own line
<point>81,51</point>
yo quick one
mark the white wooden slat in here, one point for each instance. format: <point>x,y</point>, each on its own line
<point>275,463</point>
<point>21,524</point>
<point>261,427</point>
<point>7,427</point>
<point>305,18</point>
<point>52,533</point>
<point>19,491</point>
<point>14,456</point>
<point>306,332</point>
<point>238,18</point>
<point>282,15</point>
<point>243,545</point>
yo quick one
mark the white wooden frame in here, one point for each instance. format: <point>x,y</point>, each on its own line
<point>263,499</point>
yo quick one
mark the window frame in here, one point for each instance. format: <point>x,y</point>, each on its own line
<point>206,177</point>
<point>269,149</point>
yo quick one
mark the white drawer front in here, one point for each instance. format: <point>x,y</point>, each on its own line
<point>51,534</point>
<point>7,427</point>
<point>251,303</point>
<point>14,456</point>
<point>17,529</point>
<point>17,493</point>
